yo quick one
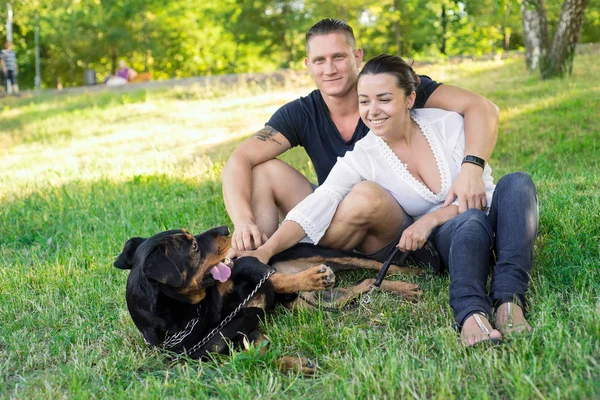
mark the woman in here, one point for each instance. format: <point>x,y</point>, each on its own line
<point>416,155</point>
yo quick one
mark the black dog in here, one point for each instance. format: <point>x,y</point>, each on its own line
<point>181,288</point>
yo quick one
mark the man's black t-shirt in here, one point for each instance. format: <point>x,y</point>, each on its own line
<point>306,122</point>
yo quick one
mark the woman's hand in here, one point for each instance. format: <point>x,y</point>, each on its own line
<point>415,236</point>
<point>260,253</point>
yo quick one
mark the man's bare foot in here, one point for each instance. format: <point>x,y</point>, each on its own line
<point>477,329</point>
<point>510,319</point>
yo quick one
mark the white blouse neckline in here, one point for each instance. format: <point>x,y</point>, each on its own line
<point>400,168</point>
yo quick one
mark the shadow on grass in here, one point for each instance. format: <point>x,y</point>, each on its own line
<point>82,215</point>
<point>38,109</point>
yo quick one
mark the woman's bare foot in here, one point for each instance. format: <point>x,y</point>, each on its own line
<point>477,329</point>
<point>510,319</point>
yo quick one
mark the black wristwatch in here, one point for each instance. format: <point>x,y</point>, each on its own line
<point>474,160</point>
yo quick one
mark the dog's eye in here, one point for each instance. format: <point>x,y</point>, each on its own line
<point>194,246</point>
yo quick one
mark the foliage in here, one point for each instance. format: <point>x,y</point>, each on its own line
<point>182,38</point>
<point>83,172</point>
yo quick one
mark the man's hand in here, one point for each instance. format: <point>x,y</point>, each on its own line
<point>247,236</point>
<point>469,188</point>
<point>415,236</point>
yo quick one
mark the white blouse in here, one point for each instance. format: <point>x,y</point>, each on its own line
<point>373,160</point>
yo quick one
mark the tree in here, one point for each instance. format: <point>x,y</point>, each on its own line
<point>555,59</point>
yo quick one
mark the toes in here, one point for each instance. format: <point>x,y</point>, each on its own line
<point>307,368</point>
<point>324,277</point>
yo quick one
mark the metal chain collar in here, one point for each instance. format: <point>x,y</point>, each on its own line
<point>177,338</point>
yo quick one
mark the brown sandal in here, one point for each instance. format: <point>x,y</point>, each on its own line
<point>515,320</point>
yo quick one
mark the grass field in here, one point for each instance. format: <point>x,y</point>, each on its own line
<point>80,174</point>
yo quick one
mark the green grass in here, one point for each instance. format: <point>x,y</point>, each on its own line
<point>82,173</point>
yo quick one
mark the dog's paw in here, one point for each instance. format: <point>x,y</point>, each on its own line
<point>317,278</point>
<point>409,291</point>
<point>296,365</point>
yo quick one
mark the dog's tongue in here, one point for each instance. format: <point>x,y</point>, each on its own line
<point>221,272</point>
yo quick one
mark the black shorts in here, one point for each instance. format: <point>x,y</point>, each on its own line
<point>426,257</point>
<point>9,75</point>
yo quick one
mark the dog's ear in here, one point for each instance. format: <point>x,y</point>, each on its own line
<point>125,259</point>
<point>160,268</point>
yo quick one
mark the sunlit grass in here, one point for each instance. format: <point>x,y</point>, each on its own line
<point>82,173</point>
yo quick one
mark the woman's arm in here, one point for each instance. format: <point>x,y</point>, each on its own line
<point>481,132</point>
<point>288,234</point>
<point>415,236</point>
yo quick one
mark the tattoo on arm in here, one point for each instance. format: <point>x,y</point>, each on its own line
<point>266,134</point>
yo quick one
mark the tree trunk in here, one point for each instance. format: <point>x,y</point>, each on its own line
<point>506,41</point>
<point>535,30</point>
<point>560,59</point>
<point>113,61</point>
<point>444,18</point>
<point>397,32</point>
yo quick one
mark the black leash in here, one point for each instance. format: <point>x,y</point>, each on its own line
<point>383,272</point>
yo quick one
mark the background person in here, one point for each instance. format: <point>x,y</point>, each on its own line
<point>8,59</point>
<point>122,76</point>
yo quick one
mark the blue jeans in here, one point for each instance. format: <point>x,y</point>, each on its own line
<point>465,243</point>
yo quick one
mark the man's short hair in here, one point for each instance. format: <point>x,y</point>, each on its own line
<point>331,25</point>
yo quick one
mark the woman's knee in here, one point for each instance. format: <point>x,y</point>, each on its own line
<point>516,181</point>
<point>366,201</point>
<point>475,221</point>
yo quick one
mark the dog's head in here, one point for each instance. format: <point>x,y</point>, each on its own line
<point>181,265</point>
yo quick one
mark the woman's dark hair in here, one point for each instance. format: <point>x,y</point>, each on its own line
<point>331,25</point>
<point>406,78</point>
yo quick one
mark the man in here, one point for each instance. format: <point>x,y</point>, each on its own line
<point>8,59</point>
<point>258,187</point>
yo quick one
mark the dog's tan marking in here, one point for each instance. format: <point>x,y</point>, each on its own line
<point>295,365</point>
<point>340,264</point>
<point>193,294</point>
<point>341,296</point>
<point>224,287</point>
<point>187,234</point>
<point>259,301</point>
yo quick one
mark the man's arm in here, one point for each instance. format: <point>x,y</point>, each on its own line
<point>264,145</point>
<point>481,131</point>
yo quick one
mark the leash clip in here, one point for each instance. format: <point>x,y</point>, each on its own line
<point>367,297</point>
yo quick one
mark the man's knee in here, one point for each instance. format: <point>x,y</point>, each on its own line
<point>265,173</point>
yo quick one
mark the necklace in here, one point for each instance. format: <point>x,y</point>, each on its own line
<point>405,163</point>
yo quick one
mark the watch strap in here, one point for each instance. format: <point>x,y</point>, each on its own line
<point>474,160</point>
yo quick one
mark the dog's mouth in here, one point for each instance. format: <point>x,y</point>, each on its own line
<point>222,270</point>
